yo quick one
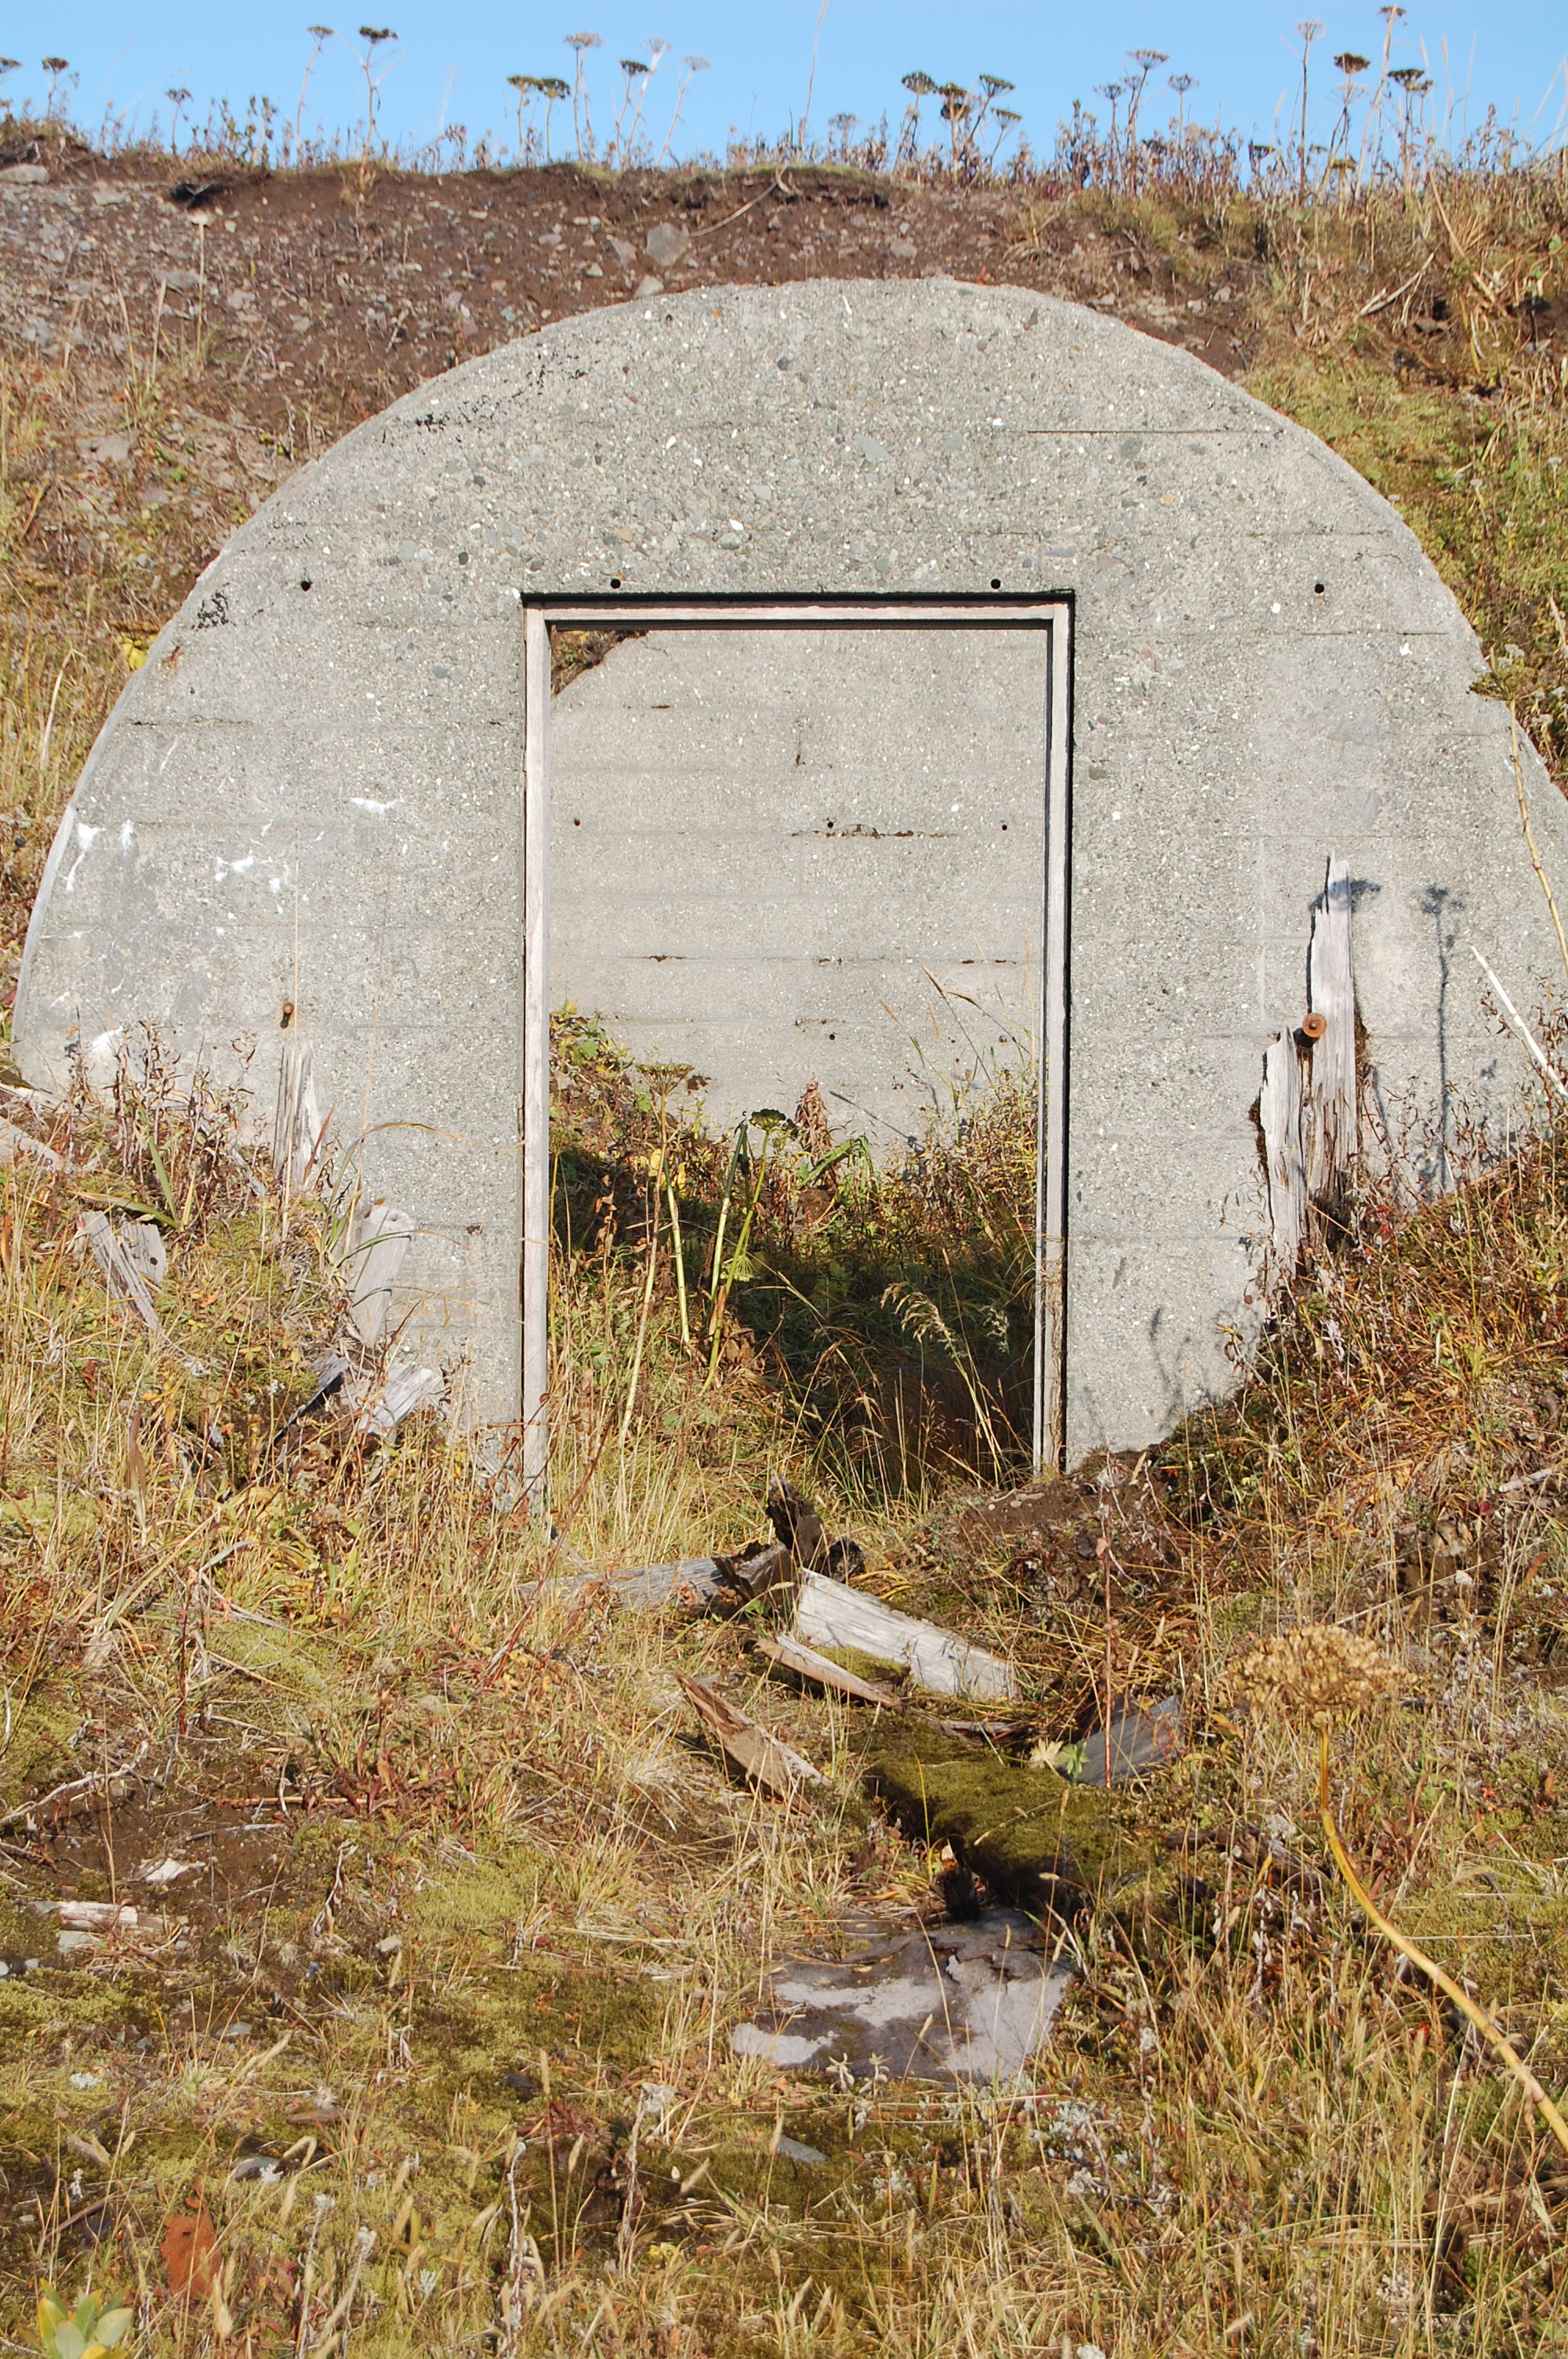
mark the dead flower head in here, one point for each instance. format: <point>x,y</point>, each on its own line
<point>1318,1673</point>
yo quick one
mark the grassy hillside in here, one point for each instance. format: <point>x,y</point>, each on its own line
<point>428,2044</point>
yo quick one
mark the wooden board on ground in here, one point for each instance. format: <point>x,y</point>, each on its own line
<point>829,1614</point>
<point>793,1655</point>
<point>765,1759</point>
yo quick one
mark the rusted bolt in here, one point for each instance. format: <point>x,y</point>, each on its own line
<point>1313,1027</point>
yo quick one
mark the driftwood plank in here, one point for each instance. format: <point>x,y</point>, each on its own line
<point>378,1247</point>
<point>1332,1133</point>
<point>399,1397</point>
<point>696,1583</point>
<point>18,1146</point>
<point>295,1125</point>
<point>805,1663</point>
<point>764,1758</point>
<point>120,1272</point>
<point>107,1917</point>
<point>829,1614</point>
<point>1280,1114</point>
<point>142,1243</point>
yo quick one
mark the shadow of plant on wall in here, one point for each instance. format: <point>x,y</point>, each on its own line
<point>884,1311</point>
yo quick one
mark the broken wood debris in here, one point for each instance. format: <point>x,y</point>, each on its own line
<point>757,1570</point>
<point>142,1243</point>
<point>828,1613</point>
<point>107,1917</point>
<point>122,1275</point>
<point>749,1747</point>
<point>297,1127</point>
<point>1306,1109</point>
<point>820,1671</point>
<point>803,1662</point>
<point>18,1146</point>
<point>400,1396</point>
<point>799,1529</point>
<point>379,1238</point>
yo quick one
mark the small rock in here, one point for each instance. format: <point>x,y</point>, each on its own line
<point>626,253</point>
<point>666,244</point>
<point>25,176</point>
<point>105,450</point>
<point>593,270</point>
<point>649,286</point>
<point>794,2151</point>
<point>902,249</point>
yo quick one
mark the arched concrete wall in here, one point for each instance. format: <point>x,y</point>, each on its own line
<point>312,791</point>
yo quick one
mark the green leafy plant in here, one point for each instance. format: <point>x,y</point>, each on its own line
<point>85,2332</point>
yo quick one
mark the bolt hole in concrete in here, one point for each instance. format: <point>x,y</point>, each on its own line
<point>808,865</point>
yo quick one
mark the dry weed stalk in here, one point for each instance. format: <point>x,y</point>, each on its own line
<point>1322,1674</point>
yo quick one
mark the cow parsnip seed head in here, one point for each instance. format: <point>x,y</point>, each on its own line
<point>1318,1673</point>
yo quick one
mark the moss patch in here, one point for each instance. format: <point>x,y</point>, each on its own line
<point>1037,1840</point>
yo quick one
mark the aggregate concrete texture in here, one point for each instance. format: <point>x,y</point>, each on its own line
<point>791,855</point>
<point>311,792</point>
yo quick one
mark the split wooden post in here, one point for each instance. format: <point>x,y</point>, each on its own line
<point>1279,1112</point>
<point>380,1239</point>
<point>829,1614</point>
<point>297,1125</point>
<point>1331,1130</point>
<point>121,1274</point>
<point>1311,1137</point>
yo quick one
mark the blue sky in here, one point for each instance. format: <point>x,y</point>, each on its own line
<point>452,59</point>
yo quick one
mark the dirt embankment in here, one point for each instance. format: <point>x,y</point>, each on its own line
<point>202,348</point>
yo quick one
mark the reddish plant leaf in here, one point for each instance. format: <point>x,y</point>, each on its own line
<point>189,2252</point>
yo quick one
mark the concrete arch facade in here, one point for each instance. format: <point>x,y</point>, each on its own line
<point>310,796</point>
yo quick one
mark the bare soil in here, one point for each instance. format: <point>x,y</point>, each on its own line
<point>317,297</point>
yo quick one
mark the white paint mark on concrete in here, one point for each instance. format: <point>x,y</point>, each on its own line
<point>86,837</point>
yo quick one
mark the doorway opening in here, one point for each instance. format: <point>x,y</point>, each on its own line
<point>804,864</point>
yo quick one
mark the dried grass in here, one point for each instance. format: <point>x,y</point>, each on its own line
<point>467,1890</point>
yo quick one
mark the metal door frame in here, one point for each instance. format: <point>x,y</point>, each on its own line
<point>1053,617</point>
